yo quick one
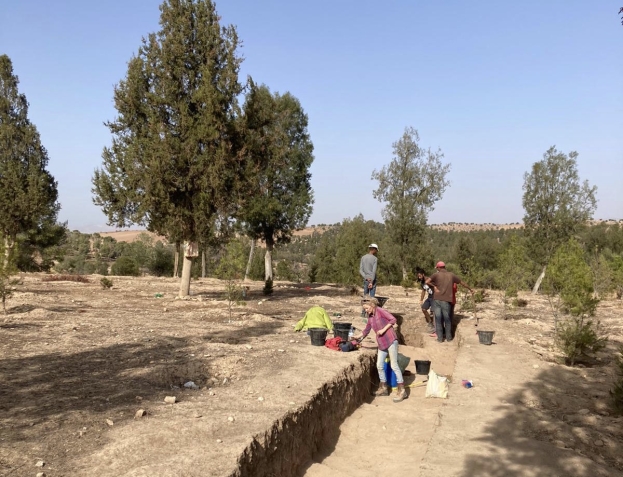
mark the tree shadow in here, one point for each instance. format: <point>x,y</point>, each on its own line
<point>555,425</point>
<point>101,380</point>
<point>243,334</point>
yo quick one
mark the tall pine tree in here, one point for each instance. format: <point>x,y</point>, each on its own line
<point>174,164</point>
<point>28,192</point>
<point>279,199</point>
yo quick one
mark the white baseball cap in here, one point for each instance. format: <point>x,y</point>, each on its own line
<point>373,245</point>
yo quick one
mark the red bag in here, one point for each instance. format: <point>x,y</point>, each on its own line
<point>334,343</point>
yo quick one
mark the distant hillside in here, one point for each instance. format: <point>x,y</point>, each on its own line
<point>131,235</point>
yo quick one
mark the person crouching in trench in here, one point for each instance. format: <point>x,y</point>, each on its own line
<point>382,322</point>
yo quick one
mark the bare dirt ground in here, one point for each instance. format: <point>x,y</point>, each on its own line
<point>77,362</point>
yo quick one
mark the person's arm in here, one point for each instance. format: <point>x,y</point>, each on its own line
<point>376,261</point>
<point>300,324</point>
<point>366,331</point>
<point>463,284</point>
<point>361,272</point>
<point>431,283</point>
<point>391,321</point>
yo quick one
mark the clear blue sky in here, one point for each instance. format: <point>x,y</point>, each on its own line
<point>492,83</point>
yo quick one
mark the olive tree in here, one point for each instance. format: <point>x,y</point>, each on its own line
<point>556,204</point>
<point>410,185</point>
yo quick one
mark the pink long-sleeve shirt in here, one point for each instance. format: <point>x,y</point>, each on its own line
<point>378,321</point>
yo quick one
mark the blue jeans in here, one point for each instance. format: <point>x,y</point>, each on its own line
<point>442,319</point>
<point>392,351</point>
<point>369,291</point>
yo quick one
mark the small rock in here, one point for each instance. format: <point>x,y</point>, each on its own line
<point>260,399</point>
<point>292,403</point>
<point>281,350</point>
<point>140,413</point>
<point>40,463</point>
<point>218,441</point>
<point>535,366</point>
<point>139,398</point>
<point>170,399</point>
<point>40,474</point>
<point>583,412</point>
<point>291,341</point>
<point>164,309</point>
<point>231,419</point>
<point>560,444</point>
<point>110,422</point>
<point>249,347</point>
<point>599,443</point>
<point>197,415</point>
<point>225,381</point>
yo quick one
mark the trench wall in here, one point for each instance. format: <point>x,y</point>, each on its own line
<point>293,440</point>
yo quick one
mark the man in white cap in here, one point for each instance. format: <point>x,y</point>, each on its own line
<point>367,270</point>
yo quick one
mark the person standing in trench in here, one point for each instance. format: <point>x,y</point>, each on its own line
<point>383,322</point>
<point>442,283</point>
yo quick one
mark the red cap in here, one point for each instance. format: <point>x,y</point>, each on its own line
<point>440,265</point>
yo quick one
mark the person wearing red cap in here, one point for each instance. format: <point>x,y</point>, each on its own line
<point>442,283</point>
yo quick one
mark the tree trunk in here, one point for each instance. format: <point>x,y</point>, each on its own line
<point>203,263</point>
<point>248,270</point>
<point>185,282</point>
<point>8,249</point>
<point>537,285</point>
<point>405,274</point>
<point>268,261</point>
<point>176,263</point>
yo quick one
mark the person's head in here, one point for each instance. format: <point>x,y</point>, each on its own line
<point>421,274</point>
<point>370,304</point>
<point>373,248</point>
<point>440,266</point>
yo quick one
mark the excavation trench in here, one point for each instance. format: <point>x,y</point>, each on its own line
<point>311,432</point>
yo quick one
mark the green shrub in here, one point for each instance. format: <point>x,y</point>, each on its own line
<point>125,266</point>
<point>268,287</point>
<point>616,393</point>
<point>480,296</point>
<point>577,336</point>
<point>569,281</point>
<point>106,283</point>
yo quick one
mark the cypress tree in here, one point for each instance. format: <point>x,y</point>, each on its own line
<point>279,199</point>
<point>28,192</point>
<point>174,164</point>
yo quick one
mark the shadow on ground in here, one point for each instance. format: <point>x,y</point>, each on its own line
<point>549,428</point>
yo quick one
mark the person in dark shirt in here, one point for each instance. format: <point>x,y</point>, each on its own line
<point>426,299</point>
<point>367,270</point>
<point>442,283</point>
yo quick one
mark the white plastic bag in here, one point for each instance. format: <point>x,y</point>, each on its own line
<point>437,386</point>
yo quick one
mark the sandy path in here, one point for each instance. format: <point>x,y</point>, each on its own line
<point>494,429</point>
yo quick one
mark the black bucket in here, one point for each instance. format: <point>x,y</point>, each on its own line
<point>342,326</point>
<point>422,367</point>
<point>342,330</point>
<point>485,337</point>
<point>318,336</point>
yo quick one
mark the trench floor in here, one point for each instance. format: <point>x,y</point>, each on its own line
<point>382,437</point>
